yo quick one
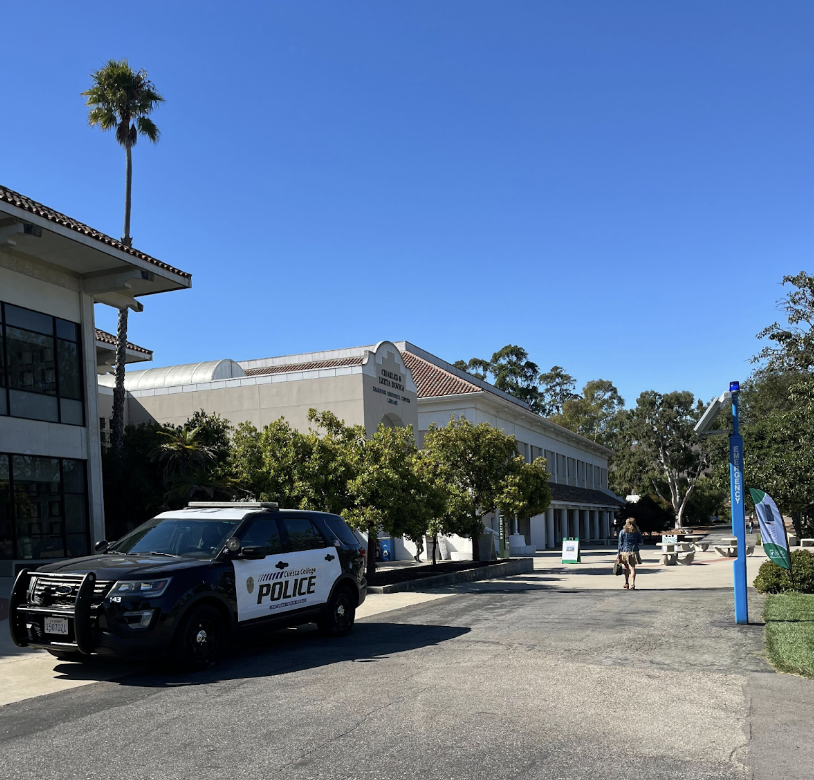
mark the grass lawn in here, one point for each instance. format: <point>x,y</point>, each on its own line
<point>790,632</point>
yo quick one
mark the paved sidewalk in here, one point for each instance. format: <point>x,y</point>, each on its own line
<point>26,673</point>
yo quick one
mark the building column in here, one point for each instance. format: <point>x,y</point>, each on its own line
<point>606,523</point>
<point>586,523</point>
<point>551,541</point>
<point>563,524</point>
<point>96,503</point>
<point>595,524</point>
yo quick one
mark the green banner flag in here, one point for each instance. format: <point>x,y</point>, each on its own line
<point>772,529</point>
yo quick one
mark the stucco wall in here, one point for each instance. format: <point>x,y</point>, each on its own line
<point>258,404</point>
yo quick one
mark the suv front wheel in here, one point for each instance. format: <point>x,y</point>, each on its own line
<point>339,615</point>
<point>199,640</point>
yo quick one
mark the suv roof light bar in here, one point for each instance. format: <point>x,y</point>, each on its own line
<point>233,505</point>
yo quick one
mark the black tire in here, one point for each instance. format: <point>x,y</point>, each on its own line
<point>67,655</point>
<point>199,640</point>
<point>339,614</point>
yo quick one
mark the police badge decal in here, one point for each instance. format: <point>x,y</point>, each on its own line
<point>250,584</point>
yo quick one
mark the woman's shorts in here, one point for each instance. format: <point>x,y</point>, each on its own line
<point>630,559</point>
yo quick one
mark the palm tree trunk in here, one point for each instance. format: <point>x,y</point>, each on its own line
<point>117,422</point>
<point>126,239</point>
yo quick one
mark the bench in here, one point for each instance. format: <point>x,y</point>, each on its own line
<point>732,551</point>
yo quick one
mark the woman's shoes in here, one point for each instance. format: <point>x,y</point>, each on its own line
<point>633,587</point>
<point>625,586</point>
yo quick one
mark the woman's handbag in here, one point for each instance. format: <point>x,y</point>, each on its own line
<point>617,568</point>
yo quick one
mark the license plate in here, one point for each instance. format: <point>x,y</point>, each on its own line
<point>56,625</point>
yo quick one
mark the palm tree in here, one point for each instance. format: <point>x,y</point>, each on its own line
<point>121,99</point>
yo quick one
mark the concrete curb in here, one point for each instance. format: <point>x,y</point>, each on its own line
<point>492,572</point>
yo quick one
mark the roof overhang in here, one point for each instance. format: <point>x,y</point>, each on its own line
<point>108,273</point>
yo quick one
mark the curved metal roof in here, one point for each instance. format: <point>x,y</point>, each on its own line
<point>173,376</point>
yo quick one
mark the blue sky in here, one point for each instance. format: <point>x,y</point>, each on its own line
<point>617,187</point>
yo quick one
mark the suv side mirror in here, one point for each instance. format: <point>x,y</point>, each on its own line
<point>101,546</point>
<point>253,553</point>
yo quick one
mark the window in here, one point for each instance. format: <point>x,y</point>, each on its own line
<point>264,534</point>
<point>302,535</point>
<point>43,507</point>
<point>589,475</point>
<point>340,528</point>
<point>604,477</point>
<point>40,367</point>
<point>572,471</point>
<point>551,464</point>
<point>562,474</point>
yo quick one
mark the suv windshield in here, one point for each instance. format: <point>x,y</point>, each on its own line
<point>184,537</point>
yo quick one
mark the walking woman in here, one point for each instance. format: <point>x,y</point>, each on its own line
<point>630,539</point>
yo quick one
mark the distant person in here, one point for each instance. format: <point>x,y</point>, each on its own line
<point>627,553</point>
<point>750,525</point>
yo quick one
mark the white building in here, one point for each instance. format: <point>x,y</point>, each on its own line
<point>395,383</point>
<point>52,271</point>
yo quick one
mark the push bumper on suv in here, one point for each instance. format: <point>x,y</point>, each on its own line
<point>82,623</point>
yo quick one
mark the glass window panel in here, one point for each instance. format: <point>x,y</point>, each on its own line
<point>5,498</point>
<point>31,361</point>
<point>77,545</point>
<point>33,406</point>
<point>31,320</point>
<point>265,534</point>
<point>71,412</point>
<point>67,330</point>
<point>75,516</point>
<point>70,374</point>
<point>73,476</point>
<point>40,546</point>
<point>301,534</point>
<point>3,402</point>
<point>42,471</point>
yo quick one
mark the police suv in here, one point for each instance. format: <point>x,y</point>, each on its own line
<point>183,583</point>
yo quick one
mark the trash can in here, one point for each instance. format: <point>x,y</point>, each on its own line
<point>388,549</point>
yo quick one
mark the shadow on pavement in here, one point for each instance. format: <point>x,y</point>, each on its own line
<point>281,652</point>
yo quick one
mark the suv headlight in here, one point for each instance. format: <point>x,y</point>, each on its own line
<point>146,588</point>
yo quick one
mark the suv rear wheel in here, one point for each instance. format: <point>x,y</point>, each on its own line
<point>339,615</point>
<point>199,640</point>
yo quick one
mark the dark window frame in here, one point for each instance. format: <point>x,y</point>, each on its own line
<point>6,387</point>
<point>61,496</point>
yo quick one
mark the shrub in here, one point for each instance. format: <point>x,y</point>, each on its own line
<point>771,578</point>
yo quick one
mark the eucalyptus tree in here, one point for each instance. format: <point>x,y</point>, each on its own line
<point>121,99</point>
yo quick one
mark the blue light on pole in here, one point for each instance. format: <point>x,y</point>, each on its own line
<point>736,489</point>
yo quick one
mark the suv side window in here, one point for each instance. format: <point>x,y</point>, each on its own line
<point>264,533</point>
<point>302,535</point>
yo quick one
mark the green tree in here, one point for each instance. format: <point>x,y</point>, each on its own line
<point>481,465</point>
<point>658,451</point>
<point>386,494</point>
<point>121,99</point>
<point>595,413</point>
<point>651,513</point>
<point>511,371</point>
<point>557,387</point>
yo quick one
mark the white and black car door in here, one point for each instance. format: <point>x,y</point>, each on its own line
<point>314,564</point>
<point>255,578</point>
<point>297,572</point>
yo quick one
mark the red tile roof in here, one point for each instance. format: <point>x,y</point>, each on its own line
<point>336,363</point>
<point>22,202</point>
<point>433,381</point>
<point>108,338</point>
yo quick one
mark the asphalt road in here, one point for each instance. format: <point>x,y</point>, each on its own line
<point>498,683</point>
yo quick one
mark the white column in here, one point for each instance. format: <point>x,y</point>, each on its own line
<point>537,532</point>
<point>563,524</point>
<point>96,502</point>
<point>595,524</point>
